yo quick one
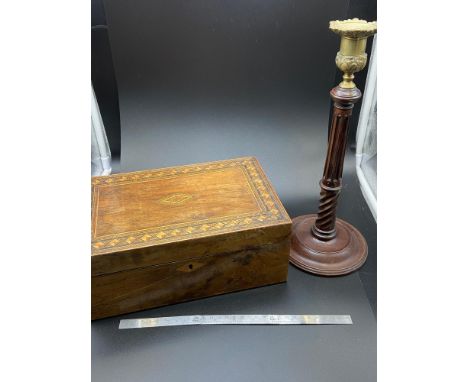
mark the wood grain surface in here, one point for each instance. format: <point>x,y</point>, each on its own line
<point>321,243</point>
<point>170,235</point>
<point>147,287</point>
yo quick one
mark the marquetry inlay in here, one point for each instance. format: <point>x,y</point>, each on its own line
<point>175,199</point>
<point>191,201</point>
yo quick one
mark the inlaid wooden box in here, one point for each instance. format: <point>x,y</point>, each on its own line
<point>175,234</point>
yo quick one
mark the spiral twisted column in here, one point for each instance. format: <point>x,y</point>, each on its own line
<point>324,227</point>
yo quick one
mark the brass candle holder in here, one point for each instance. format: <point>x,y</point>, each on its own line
<point>321,243</point>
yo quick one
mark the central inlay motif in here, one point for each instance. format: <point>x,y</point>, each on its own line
<point>164,205</point>
<point>175,199</point>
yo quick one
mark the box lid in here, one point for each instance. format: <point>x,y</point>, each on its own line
<point>158,216</point>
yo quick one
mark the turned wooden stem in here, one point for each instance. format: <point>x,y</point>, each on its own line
<point>330,184</point>
<point>320,243</point>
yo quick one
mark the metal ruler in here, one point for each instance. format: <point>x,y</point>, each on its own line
<point>237,319</point>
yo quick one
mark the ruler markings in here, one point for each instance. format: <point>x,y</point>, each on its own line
<point>236,319</point>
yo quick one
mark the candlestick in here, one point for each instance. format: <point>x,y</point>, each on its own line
<point>321,243</point>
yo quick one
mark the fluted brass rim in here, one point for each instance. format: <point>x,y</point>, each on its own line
<point>354,28</point>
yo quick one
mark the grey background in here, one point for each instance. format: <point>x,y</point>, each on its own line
<point>247,353</point>
<point>207,80</point>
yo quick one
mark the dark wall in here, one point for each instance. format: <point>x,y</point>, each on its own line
<point>222,64</point>
<point>223,48</point>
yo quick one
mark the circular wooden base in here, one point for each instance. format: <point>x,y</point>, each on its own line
<point>339,256</point>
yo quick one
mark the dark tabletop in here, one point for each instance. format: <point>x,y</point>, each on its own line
<point>248,353</point>
<point>210,96</point>
<point>253,353</point>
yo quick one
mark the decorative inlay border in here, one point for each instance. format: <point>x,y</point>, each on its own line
<point>271,209</point>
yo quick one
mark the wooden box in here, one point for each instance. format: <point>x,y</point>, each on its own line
<point>175,234</point>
